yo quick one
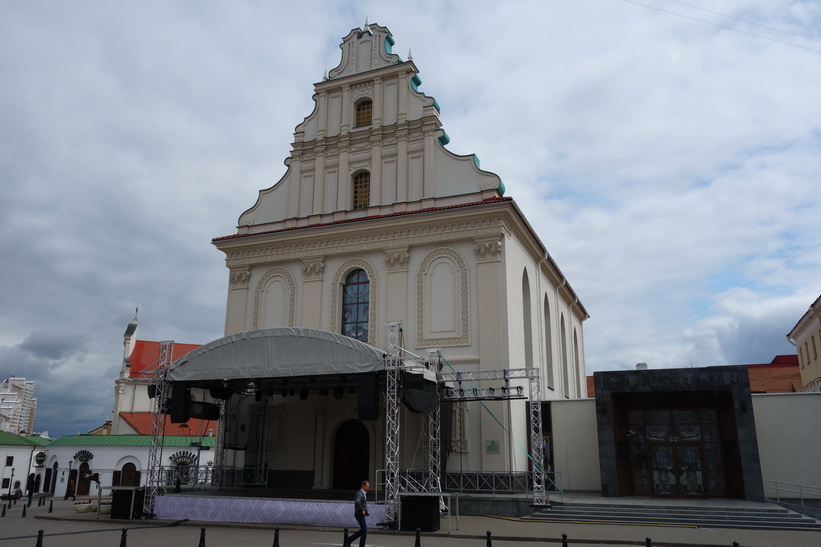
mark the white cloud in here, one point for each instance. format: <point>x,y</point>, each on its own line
<point>664,162</point>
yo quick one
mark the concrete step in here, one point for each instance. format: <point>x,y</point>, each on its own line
<point>766,518</point>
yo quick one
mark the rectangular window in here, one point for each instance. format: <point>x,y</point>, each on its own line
<point>361,191</point>
<point>363,113</point>
<point>9,460</point>
<point>814,349</point>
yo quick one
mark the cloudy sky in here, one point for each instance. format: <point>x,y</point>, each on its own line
<point>668,153</point>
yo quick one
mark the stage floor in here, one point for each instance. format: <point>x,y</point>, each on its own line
<point>260,506</point>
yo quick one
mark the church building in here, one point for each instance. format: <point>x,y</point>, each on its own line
<point>377,227</point>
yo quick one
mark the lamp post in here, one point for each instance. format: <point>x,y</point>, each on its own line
<point>11,480</point>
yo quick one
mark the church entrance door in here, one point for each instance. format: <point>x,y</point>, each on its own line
<point>351,463</point>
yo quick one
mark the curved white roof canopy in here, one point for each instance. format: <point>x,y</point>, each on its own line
<point>277,353</point>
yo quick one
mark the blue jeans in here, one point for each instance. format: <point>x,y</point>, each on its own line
<point>362,533</point>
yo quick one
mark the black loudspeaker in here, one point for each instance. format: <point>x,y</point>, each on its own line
<point>221,393</point>
<point>180,395</point>
<point>420,512</point>
<point>368,396</point>
<point>203,411</point>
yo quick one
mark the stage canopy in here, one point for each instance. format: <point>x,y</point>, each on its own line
<point>276,353</point>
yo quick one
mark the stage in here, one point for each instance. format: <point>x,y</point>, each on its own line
<point>256,507</point>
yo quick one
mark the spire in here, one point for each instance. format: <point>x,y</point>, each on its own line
<point>367,27</point>
<point>410,56</point>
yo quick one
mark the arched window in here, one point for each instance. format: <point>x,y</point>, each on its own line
<point>361,190</point>
<point>526,320</point>
<point>565,364</point>
<point>364,113</point>
<point>548,344</point>
<point>355,302</point>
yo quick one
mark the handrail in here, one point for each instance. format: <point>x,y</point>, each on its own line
<point>802,489</point>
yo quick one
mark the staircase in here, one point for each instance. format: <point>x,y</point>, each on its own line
<point>763,516</point>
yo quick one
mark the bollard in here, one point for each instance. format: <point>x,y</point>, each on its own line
<point>39,538</point>
<point>24,511</point>
<point>648,542</point>
<point>489,543</point>
<point>202,537</point>
<point>735,544</point>
<point>564,540</point>
<point>50,505</point>
<point>29,503</point>
<point>345,537</point>
<point>418,540</point>
<point>276,537</point>
<point>122,538</point>
<point>4,511</point>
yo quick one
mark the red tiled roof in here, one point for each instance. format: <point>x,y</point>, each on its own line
<point>346,221</point>
<point>142,423</point>
<point>146,354</point>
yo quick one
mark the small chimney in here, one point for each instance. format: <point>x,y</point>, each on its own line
<point>641,366</point>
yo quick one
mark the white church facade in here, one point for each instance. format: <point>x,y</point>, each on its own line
<point>374,222</point>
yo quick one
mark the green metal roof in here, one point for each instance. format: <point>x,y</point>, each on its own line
<point>10,439</point>
<point>37,441</point>
<point>128,440</point>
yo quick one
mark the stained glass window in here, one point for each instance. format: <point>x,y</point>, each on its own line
<point>355,305</point>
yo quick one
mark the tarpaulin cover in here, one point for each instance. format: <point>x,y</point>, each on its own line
<point>276,353</point>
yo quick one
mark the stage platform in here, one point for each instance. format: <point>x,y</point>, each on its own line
<point>303,507</point>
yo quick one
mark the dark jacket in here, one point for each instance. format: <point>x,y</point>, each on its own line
<point>360,505</point>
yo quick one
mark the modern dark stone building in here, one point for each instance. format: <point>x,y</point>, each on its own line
<point>678,432</point>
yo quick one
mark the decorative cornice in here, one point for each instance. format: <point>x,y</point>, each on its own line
<point>488,249</point>
<point>312,268</point>
<point>432,233</point>
<point>239,277</point>
<point>396,258</point>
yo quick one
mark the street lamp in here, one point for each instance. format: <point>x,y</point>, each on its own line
<point>11,480</point>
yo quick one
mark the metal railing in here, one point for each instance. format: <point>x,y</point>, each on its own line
<point>475,482</point>
<point>793,488</point>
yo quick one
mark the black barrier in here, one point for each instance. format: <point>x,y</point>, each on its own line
<point>39,538</point>
<point>202,537</point>
<point>489,542</point>
<point>276,537</point>
<point>345,537</point>
<point>564,540</point>
<point>648,542</point>
<point>24,512</point>
<point>123,538</point>
<point>50,505</point>
<point>418,541</point>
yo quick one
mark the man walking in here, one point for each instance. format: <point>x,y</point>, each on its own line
<point>360,512</point>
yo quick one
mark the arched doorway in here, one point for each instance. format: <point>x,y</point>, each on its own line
<point>127,476</point>
<point>83,483</point>
<point>351,450</point>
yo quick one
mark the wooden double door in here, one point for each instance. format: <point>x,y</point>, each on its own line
<point>676,469</point>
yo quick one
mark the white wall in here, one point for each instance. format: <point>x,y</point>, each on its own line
<point>788,441</point>
<point>576,444</point>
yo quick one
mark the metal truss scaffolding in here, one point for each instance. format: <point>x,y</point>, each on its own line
<point>451,387</point>
<point>393,365</point>
<point>161,395</point>
<point>455,390</point>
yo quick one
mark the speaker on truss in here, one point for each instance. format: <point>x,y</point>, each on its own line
<point>418,393</point>
<point>368,396</point>
<point>180,396</point>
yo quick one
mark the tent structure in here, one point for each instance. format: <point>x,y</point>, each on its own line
<point>276,353</point>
